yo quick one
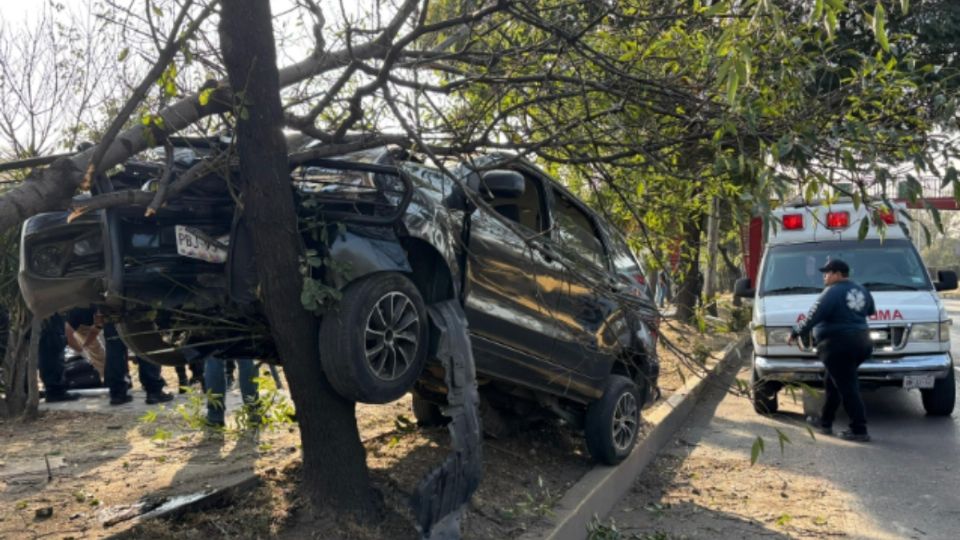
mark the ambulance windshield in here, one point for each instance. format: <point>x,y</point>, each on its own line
<point>893,265</point>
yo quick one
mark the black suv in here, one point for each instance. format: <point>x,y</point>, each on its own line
<point>558,313</point>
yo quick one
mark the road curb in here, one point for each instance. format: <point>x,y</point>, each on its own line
<point>602,487</point>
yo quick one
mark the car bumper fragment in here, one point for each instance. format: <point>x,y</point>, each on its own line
<point>442,494</point>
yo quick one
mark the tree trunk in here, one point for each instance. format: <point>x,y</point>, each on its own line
<point>690,266</point>
<point>20,397</point>
<point>710,274</point>
<point>335,473</point>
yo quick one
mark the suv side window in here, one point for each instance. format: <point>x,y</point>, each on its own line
<point>526,209</point>
<point>576,231</point>
<point>623,260</point>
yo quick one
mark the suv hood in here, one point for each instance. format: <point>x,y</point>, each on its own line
<point>892,307</point>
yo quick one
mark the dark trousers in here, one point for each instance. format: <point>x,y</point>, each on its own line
<point>116,372</point>
<point>50,367</point>
<point>50,361</point>
<point>841,356</point>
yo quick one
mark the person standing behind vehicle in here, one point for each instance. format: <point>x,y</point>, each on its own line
<point>116,371</point>
<point>50,361</point>
<point>838,320</point>
<point>215,374</point>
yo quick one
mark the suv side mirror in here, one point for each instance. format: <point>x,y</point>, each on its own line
<point>742,288</point>
<point>946,280</point>
<point>501,183</point>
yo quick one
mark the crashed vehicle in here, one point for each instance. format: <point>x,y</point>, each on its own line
<point>559,317</point>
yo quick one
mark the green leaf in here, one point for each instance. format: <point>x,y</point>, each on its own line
<point>123,54</point>
<point>733,83</point>
<point>949,177</point>
<point>817,11</point>
<point>782,439</point>
<point>204,97</point>
<point>904,6</point>
<point>718,8</point>
<point>880,26</point>
<point>756,450</point>
<point>864,229</point>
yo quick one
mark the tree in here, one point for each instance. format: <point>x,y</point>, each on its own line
<point>334,460</point>
<point>651,109</point>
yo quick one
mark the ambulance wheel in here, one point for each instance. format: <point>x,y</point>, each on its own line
<point>763,394</point>
<point>939,400</point>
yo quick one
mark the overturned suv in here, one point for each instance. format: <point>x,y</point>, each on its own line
<point>559,318</point>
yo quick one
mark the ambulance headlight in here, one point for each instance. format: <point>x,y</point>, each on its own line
<point>768,336</point>
<point>778,335</point>
<point>925,332</point>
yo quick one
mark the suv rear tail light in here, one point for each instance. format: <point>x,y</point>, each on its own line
<point>887,216</point>
<point>793,222</point>
<point>838,220</point>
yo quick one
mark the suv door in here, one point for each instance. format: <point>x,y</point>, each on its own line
<point>586,318</point>
<point>511,317</point>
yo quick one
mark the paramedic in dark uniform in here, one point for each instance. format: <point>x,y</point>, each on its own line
<point>838,320</point>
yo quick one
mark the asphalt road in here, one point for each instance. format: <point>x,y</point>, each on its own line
<point>903,484</point>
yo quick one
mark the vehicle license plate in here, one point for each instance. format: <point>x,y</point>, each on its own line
<point>190,244</point>
<point>918,381</point>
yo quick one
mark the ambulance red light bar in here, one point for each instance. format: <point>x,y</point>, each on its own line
<point>793,222</point>
<point>838,220</point>
<point>887,216</point>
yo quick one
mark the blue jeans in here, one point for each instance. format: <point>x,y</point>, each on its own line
<point>215,375</point>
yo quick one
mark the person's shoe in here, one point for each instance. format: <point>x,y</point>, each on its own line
<point>815,423</point>
<point>158,397</point>
<point>61,396</point>
<point>120,400</point>
<point>848,435</point>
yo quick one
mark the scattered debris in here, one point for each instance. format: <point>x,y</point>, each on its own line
<point>43,513</point>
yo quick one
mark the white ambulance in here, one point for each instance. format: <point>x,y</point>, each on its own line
<point>911,330</point>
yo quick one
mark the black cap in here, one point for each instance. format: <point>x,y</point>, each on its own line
<point>836,265</point>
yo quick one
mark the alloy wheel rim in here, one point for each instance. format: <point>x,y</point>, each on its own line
<point>624,421</point>
<point>390,336</point>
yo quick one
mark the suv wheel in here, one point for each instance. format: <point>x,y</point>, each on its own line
<point>612,423</point>
<point>763,394</point>
<point>939,400</point>
<point>374,346</point>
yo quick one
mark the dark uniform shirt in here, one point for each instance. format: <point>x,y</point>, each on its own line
<point>842,308</point>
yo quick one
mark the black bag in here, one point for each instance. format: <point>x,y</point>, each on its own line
<point>79,373</point>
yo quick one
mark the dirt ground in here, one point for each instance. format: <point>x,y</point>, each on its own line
<point>703,485</point>
<point>100,463</point>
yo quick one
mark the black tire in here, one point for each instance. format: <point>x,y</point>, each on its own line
<point>383,306</point>
<point>763,394</point>
<point>612,423</point>
<point>427,412</point>
<point>940,400</point>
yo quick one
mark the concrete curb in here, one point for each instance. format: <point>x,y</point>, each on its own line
<point>602,487</point>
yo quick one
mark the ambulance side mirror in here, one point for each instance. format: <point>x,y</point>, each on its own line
<point>743,289</point>
<point>946,280</point>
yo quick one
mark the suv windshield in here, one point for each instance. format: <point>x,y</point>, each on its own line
<point>892,265</point>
